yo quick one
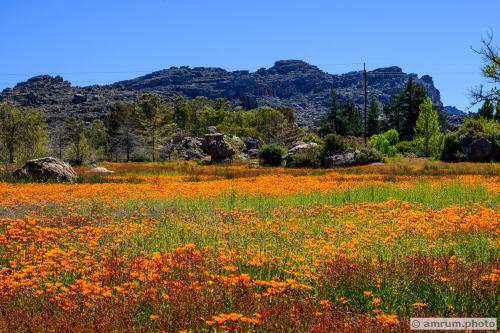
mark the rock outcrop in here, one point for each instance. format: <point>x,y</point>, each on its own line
<point>218,146</point>
<point>59,99</point>
<point>46,169</point>
<point>293,83</point>
<point>476,149</point>
<point>185,148</point>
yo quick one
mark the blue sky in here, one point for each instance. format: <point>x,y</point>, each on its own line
<point>102,41</point>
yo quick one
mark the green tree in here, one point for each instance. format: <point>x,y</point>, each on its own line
<point>154,125</point>
<point>78,149</point>
<point>58,139</point>
<point>22,132</point>
<point>403,110</point>
<point>274,127</point>
<point>121,129</point>
<point>486,111</point>
<point>373,122</point>
<point>330,123</point>
<point>427,131</point>
<point>351,120</point>
<point>97,138</point>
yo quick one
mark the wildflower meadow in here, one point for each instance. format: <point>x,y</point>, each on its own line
<point>178,247</point>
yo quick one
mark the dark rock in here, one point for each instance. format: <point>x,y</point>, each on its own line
<point>253,153</point>
<point>45,169</point>
<point>217,145</point>
<point>79,98</point>
<point>476,149</point>
<point>251,143</point>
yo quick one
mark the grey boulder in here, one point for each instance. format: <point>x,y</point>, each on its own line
<point>46,169</point>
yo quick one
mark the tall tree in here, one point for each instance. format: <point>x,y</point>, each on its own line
<point>351,120</point>
<point>330,123</point>
<point>78,150</point>
<point>373,121</point>
<point>154,126</point>
<point>97,138</point>
<point>403,110</point>
<point>22,132</point>
<point>121,128</point>
<point>427,128</point>
<point>58,139</point>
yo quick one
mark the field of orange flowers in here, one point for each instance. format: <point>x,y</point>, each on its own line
<point>177,247</point>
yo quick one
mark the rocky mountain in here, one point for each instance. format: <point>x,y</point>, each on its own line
<point>452,110</point>
<point>293,83</point>
<point>454,117</point>
<point>59,99</point>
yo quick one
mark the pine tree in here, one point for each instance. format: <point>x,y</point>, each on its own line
<point>373,125</point>
<point>351,120</point>
<point>330,123</point>
<point>403,110</point>
<point>427,128</point>
<point>121,129</point>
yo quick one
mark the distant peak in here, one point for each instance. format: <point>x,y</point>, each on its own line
<point>391,69</point>
<point>288,66</point>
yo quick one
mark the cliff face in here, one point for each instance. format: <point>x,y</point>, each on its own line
<point>59,99</point>
<point>294,83</point>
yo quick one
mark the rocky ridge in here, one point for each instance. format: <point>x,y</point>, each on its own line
<point>293,83</point>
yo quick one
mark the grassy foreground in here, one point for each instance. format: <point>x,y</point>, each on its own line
<point>177,247</point>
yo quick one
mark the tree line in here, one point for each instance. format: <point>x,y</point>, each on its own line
<point>141,130</point>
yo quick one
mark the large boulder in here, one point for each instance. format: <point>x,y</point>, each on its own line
<point>343,159</point>
<point>45,169</point>
<point>185,148</point>
<point>218,146</point>
<point>352,157</point>
<point>476,149</point>
<point>304,155</point>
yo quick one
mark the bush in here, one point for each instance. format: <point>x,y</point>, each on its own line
<point>305,158</point>
<point>334,143</point>
<point>385,143</point>
<point>451,148</point>
<point>311,137</point>
<point>392,136</point>
<point>272,154</point>
<point>368,155</point>
<point>406,147</point>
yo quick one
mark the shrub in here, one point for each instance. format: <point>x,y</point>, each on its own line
<point>385,143</point>
<point>406,147</point>
<point>392,136</point>
<point>305,158</point>
<point>451,148</point>
<point>334,143</point>
<point>272,154</point>
<point>380,143</point>
<point>311,137</point>
<point>368,155</point>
